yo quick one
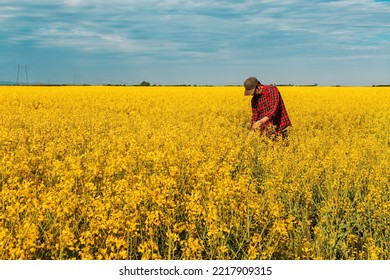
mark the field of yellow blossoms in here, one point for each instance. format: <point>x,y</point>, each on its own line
<point>99,172</point>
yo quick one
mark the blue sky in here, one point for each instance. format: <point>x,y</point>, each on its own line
<point>195,41</point>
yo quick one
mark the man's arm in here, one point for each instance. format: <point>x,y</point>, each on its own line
<point>255,117</point>
<point>260,122</point>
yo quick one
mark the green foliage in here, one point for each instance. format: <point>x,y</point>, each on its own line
<point>144,84</point>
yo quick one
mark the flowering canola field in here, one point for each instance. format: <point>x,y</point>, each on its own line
<point>175,173</point>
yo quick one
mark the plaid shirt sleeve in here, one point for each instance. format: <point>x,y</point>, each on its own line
<point>255,111</point>
<point>273,101</point>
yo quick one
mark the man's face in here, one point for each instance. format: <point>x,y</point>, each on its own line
<point>258,90</point>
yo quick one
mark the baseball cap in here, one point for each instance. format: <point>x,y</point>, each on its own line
<point>250,85</point>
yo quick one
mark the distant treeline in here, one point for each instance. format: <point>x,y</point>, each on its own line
<point>146,83</point>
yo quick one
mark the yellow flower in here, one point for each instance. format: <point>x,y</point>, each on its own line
<point>175,173</point>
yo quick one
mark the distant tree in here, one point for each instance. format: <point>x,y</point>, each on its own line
<point>144,84</point>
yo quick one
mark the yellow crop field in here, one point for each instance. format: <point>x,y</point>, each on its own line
<point>175,173</point>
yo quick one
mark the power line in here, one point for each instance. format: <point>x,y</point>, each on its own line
<point>24,69</point>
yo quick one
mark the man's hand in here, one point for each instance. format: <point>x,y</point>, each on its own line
<point>259,123</point>
<point>256,125</point>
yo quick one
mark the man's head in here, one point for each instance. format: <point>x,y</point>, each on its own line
<point>251,85</point>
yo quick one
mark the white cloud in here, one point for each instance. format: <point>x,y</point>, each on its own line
<point>74,2</point>
<point>194,26</point>
<point>86,40</point>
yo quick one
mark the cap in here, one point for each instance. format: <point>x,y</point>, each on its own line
<point>250,85</point>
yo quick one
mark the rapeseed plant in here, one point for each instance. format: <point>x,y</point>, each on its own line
<point>175,173</point>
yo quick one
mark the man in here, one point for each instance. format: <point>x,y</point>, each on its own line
<point>268,110</point>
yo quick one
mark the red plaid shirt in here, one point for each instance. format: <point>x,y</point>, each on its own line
<point>270,104</point>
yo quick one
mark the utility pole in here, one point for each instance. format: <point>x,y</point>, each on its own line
<point>20,68</point>
<point>17,77</point>
<point>26,73</point>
